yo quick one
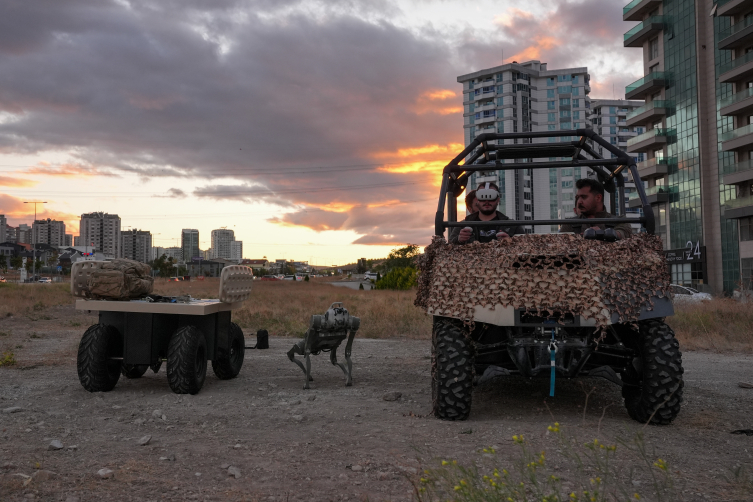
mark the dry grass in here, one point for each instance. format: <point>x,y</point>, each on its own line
<point>721,325</point>
<point>285,308</point>
<point>19,299</point>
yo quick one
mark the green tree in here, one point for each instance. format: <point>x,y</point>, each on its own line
<point>164,266</point>
<point>16,262</point>
<point>402,257</point>
<point>401,278</point>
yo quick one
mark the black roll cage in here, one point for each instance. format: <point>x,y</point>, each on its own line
<point>481,156</point>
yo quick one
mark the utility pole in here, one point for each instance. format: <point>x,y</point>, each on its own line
<point>33,247</point>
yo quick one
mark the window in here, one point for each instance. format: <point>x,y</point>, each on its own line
<point>527,195</point>
<point>565,126</point>
<point>550,93</point>
<point>490,113</point>
<point>575,79</point>
<point>500,113</point>
<point>612,130</point>
<point>653,49</point>
<point>567,172</point>
<point>654,68</point>
<point>565,89</point>
<point>550,105</point>
<point>612,120</point>
<point>639,130</point>
<point>564,78</point>
<point>576,115</point>
<point>550,81</point>
<point>551,127</point>
<point>564,113</point>
<point>500,101</point>
<point>477,92</point>
<point>564,101</point>
<point>499,77</point>
<point>488,89</point>
<point>568,184</point>
<point>576,91</point>
<point>576,103</point>
<point>567,196</point>
<point>527,208</point>
<point>551,117</point>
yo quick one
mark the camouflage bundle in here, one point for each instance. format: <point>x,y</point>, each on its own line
<point>119,279</point>
<point>546,274</point>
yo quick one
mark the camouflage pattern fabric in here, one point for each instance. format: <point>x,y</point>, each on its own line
<point>545,274</point>
<point>120,279</point>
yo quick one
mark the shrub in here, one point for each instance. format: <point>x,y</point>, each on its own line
<point>401,278</point>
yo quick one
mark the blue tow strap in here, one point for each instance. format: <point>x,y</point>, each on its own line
<point>552,352</point>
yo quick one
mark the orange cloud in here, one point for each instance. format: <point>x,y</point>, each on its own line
<point>66,170</point>
<point>17,212</point>
<point>7,181</point>
<point>432,100</point>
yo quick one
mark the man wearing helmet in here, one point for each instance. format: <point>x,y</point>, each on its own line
<point>487,196</point>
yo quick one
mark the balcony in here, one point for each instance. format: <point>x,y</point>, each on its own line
<point>484,120</point>
<point>732,7</point>
<point>647,85</point>
<point>655,195</point>
<point>636,36</point>
<point>737,69</point>
<point>650,140</point>
<point>737,35</point>
<point>736,139</point>
<point>655,168</point>
<point>738,173</point>
<point>738,208</point>
<point>738,103</point>
<point>649,113</point>
<point>635,10</point>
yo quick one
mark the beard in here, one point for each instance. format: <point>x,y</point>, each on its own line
<point>488,212</point>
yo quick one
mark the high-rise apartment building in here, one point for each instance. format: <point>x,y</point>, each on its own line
<point>11,234</point>
<point>136,245</point>
<point>3,228</point>
<point>609,120</point>
<point>48,231</point>
<point>23,234</point>
<point>698,88</point>
<point>236,251</point>
<point>102,231</point>
<point>221,239</point>
<point>68,240</point>
<point>189,244</point>
<point>528,97</point>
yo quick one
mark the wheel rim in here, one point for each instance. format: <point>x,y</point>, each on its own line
<point>236,353</point>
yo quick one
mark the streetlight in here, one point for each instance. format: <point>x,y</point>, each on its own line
<point>33,248</point>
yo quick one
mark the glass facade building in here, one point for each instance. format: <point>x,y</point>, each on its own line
<point>698,88</point>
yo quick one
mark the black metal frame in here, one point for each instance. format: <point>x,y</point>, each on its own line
<point>481,156</point>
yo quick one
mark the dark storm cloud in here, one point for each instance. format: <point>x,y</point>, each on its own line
<point>248,94</point>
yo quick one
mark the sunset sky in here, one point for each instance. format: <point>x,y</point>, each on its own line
<point>315,130</point>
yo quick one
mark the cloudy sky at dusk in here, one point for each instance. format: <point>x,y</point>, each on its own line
<point>315,130</point>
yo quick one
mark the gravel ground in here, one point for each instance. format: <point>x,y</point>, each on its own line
<point>262,437</point>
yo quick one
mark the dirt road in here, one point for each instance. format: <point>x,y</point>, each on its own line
<point>262,437</point>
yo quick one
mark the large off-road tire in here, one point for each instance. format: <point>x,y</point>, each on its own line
<point>653,386</point>
<point>187,360</point>
<point>97,371</point>
<point>451,372</point>
<point>227,363</point>
<point>133,370</point>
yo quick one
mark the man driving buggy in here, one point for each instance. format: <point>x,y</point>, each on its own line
<point>487,196</point>
<point>589,203</point>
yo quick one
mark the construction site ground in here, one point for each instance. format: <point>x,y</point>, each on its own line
<point>262,437</point>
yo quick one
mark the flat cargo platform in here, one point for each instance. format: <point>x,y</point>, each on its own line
<point>195,307</point>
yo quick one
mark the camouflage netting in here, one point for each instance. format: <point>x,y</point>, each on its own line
<point>544,273</point>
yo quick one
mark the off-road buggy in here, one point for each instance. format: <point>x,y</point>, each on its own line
<point>550,305</point>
